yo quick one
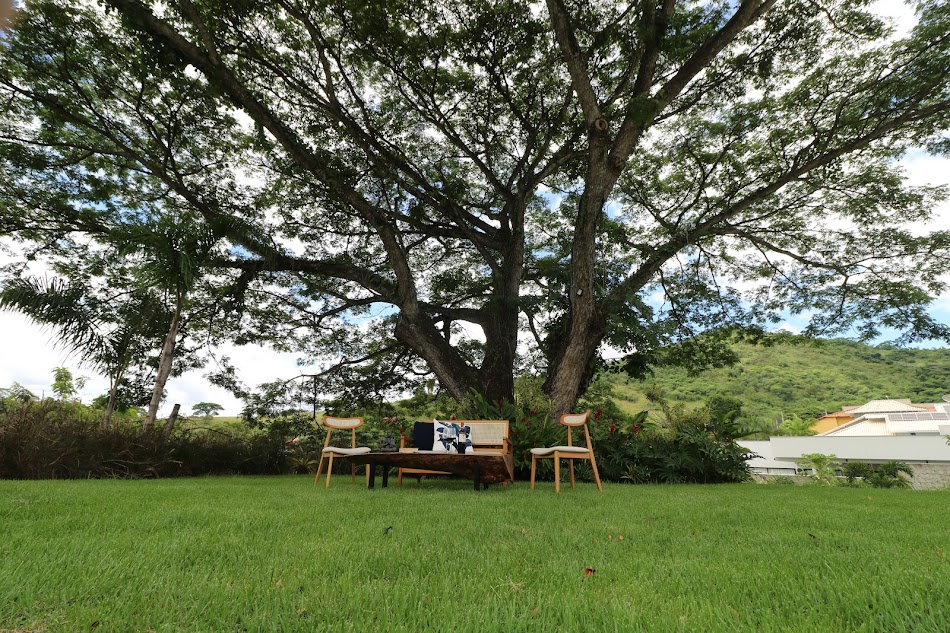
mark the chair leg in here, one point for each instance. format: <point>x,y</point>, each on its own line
<point>319,468</point>
<point>534,465</point>
<point>571,463</point>
<point>399,477</point>
<point>367,475</point>
<point>593,463</point>
<point>329,469</point>
<point>557,472</point>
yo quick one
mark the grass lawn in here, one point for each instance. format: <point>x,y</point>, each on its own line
<point>278,554</point>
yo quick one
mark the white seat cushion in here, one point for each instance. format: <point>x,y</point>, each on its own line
<point>560,449</point>
<point>359,450</point>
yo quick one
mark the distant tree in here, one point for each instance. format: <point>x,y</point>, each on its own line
<point>17,392</point>
<point>64,385</point>
<point>207,409</point>
<point>796,426</point>
<point>113,327</point>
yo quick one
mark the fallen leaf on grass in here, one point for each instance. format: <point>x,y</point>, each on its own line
<point>279,582</point>
<point>535,611</point>
<point>589,572</point>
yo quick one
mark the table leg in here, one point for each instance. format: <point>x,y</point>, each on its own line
<point>371,482</point>
<point>385,475</point>
<point>477,475</point>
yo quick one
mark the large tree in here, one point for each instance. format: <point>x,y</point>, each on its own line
<point>471,190</point>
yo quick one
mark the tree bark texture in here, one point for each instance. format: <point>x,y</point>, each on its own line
<point>165,363</point>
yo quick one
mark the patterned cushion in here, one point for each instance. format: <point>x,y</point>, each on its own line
<point>465,439</point>
<point>445,436</point>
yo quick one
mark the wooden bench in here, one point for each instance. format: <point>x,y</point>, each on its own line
<point>489,437</point>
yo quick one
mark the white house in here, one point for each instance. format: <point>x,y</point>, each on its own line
<point>883,430</point>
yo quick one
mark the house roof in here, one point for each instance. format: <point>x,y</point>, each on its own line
<point>916,423</point>
<point>838,414</point>
<point>859,428</point>
<point>885,406</point>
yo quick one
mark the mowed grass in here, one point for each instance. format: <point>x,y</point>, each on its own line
<point>278,554</point>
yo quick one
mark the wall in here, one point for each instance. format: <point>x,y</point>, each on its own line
<point>931,476</point>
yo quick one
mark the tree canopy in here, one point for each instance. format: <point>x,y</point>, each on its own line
<point>401,190</point>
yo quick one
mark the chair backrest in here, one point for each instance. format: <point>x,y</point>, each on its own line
<point>575,419</point>
<point>343,424</point>
<point>571,420</point>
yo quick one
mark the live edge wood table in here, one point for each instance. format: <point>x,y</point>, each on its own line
<point>482,468</point>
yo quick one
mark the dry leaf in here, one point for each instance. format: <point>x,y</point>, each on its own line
<point>279,583</point>
<point>610,538</point>
<point>589,572</point>
<point>535,611</point>
<point>620,537</point>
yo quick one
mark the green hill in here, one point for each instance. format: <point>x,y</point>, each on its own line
<point>803,378</point>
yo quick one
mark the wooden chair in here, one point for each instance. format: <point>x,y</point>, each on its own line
<point>568,452</point>
<point>334,451</point>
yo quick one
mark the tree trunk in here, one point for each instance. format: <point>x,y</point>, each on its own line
<point>586,323</point>
<point>110,406</point>
<point>165,363</point>
<point>113,396</point>
<point>170,424</point>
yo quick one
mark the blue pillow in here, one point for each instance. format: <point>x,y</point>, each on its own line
<point>422,435</point>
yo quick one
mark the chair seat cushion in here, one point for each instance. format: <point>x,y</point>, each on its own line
<point>359,450</point>
<point>560,449</point>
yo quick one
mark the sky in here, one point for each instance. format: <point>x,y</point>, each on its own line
<point>28,354</point>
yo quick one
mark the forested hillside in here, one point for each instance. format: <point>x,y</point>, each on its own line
<point>803,378</point>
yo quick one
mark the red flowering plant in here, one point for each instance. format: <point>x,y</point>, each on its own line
<point>527,429</point>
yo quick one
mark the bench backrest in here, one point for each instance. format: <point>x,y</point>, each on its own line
<point>488,434</point>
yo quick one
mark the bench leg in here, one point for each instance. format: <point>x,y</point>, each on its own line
<point>371,475</point>
<point>477,475</point>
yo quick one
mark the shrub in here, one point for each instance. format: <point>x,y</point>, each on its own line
<point>823,468</point>
<point>891,475</point>
<point>887,475</point>
<point>64,440</point>
<point>693,446</point>
<point>857,474</point>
